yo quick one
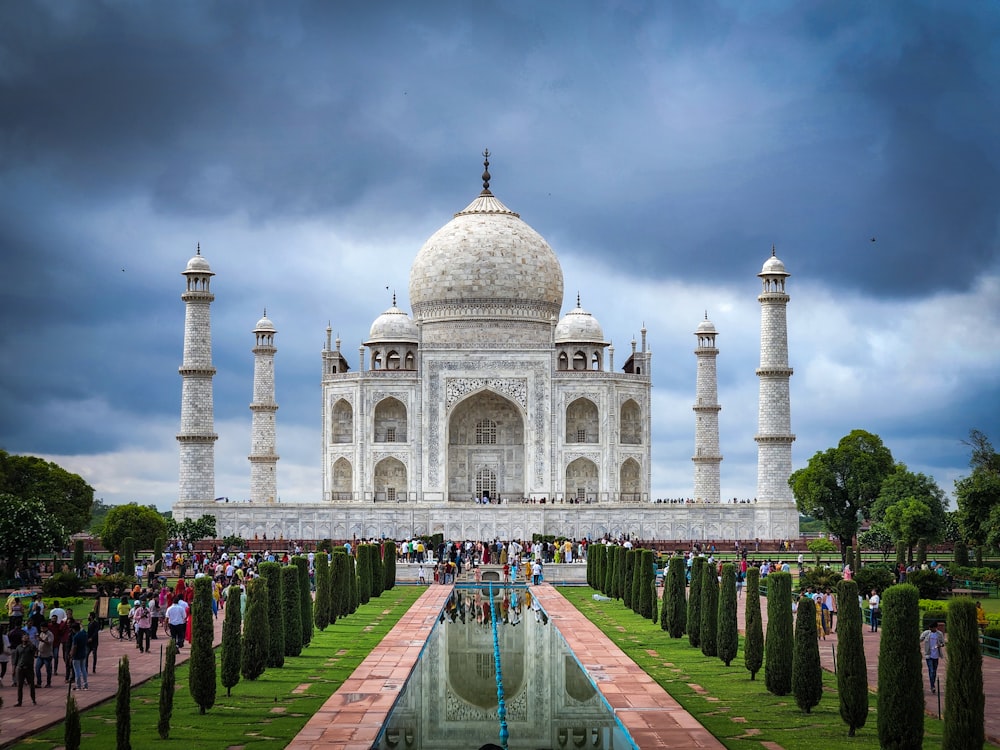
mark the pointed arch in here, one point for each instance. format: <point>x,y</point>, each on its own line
<point>343,480</point>
<point>630,423</point>
<point>582,480</point>
<point>630,481</point>
<point>390,421</point>
<point>582,421</point>
<point>390,480</point>
<point>341,422</point>
<point>563,362</point>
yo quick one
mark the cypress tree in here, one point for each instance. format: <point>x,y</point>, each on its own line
<point>339,587</point>
<point>900,682</point>
<point>167,682</point>
<point>777,654</point>
<point>964,705</point>
<point>674,598</point>
<point>728,641</point>
<point>375,555</point>
<point>275,614</point>
<point>305,598</point>
<point>364,574</point>
<point>654,600</point>
<point>900,553</point>
<point>322,604</point>
<point>624,572</point>
<point>694,603</point>
<point>78,564</point>
<point>636,580</point>
<point>593,553</point>
<point>292,608</point>
<point>232,640</point>
<point>979,556</point>
<point>709,610</point>
<point>852,666</point>
<point>123,707</point>
<point>128,556</point>
<point>353,585</point>
<point>753,644</point>
<point>389,566</point>
<point>202,672</point>
<point>71,728</point>
<point>158,544</point>
<point>609,571</point>
<point>807,674</point>
<point>647,579</point>
<point>257,635</point>
<point>921,551</point>
<point>857,559</point>
<point>961,554</point>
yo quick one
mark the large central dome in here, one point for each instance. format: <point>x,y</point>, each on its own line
<point>486,264</point>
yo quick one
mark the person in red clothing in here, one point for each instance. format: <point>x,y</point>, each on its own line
<point>60,641</point>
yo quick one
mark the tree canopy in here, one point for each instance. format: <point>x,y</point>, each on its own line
<point>65,496</point>
<point>190,530</point>
<point>142,523</point>
<point>841,484</point>
<point>26,528</point>
<point>978,494</point>
<point>911,506</point>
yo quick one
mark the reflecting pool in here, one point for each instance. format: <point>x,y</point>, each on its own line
<point>450,699</point>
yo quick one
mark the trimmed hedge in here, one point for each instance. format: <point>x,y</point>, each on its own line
<point>753,645</point>
<point>709,611</point>
<point>694,603</point>
<point>257,635</point>
<point>322,604</point>
<point>232,640</point>
<point>852,666</point>
<point>807,674</point>
<point>777,654</point>
<point>728,640</point>
<point>900,682</point>
<point>291,607</point>
<point>964,704</point>
<point>275,645</point>
<point>202,675</point>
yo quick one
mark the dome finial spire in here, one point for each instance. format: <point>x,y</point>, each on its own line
<point>199,249</point>
<point>577,299</point>
<point>772,250</point>
<point>393,297</point>
<point>486,170</point>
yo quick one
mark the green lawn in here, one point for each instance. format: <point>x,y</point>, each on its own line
<point>264,714</point>
<point>740,712</point>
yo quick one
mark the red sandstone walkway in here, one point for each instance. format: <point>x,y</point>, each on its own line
<point>353,716</point>
<point>18,723</point>
<point>934,702</point>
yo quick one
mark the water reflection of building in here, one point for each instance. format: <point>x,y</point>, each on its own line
<point>451,699</point>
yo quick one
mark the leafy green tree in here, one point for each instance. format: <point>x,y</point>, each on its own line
<point>271,572</point>
<point>807,674</point>
<point>877,538</point>
<point>978,494</point>
<point>674,597</point>
<point>964,704</point>
<point>292,608</point>
<point>709,611</point>
<point>158,545</point>
<point>728,641</point>
<point>257,631</point>
<point>904,485</point>
<point>694,603</point>
<point>141,523</point>
<point>909,521</point>
<point>191,530</point>
<point>852,667</point>
<point>72,729</point>
<point>123,707</point>
<point>840,485</point>
<point>202,673</point>
<point>900,681</point>
<point>961,554</point>
<point>777,654</point>
<point>305,598</point>
<point>66,497</point>
<point>167,683</point>
<point>322,604</point>
<point>26,529</point>
<point>819,547</point>
<point>388,566</point>
<point>232,640</point>
<point>753,645</point>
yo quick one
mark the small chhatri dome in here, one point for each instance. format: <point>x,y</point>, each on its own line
<point>706,326</point>
<point>773,266</point>
<point>393,325</point>
<point>265,325</point>
<point>198,264</point>
<point>579,326</point>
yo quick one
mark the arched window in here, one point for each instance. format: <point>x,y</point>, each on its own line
<point>376,360</point>
<point>630,427</point>
<point>563,361</point>
<point>486,432</point>
<point>595,361</point>
<point>486,484</point>
<point>390,421</point>
<point>392,360</point>
<point>580,361</point>
<point>410,363</point>
<point>341,422</point>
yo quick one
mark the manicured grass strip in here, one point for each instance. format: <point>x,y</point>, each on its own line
<point>740,713</point>
<point>261,715</point>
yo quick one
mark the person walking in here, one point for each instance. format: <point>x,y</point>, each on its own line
<point>93,638</point>
<point>144,623</point>
<point>44,656</point>
<point>177,621</point>
<point>874,612</point>
<point>933,642</point>
<point>78,653</point>
<point>23,661</point>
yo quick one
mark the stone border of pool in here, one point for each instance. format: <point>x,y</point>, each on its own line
<point>353,716</point>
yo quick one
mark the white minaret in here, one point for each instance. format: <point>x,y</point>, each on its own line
<point>263,459</point>
<point>706,429</point>
<point>774,420</point>
<point>197,436</point>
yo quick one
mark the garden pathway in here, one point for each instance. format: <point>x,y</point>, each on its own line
<point>17,723</point>
<point>934,702</point>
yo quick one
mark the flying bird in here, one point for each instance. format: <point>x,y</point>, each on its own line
<point>873,239</point>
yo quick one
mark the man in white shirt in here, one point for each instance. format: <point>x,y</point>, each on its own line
<point>933,642</point>
<point>177,621</point>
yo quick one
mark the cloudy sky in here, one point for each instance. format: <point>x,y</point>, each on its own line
<point>660,148</point>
